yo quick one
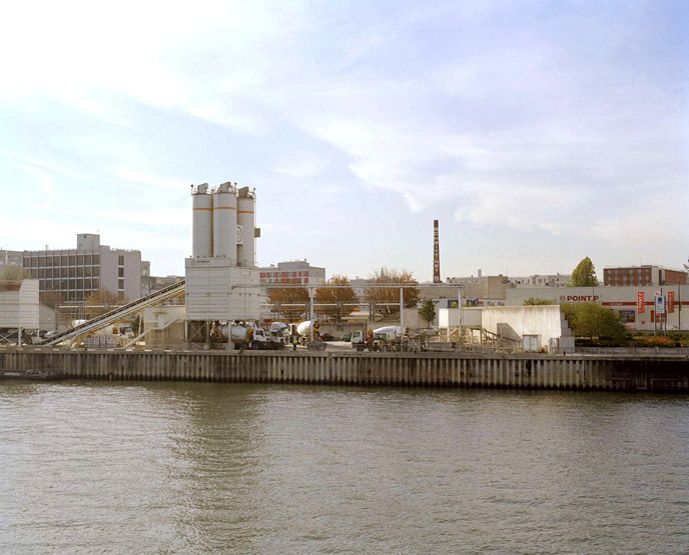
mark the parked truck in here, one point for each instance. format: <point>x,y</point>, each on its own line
<point>245,336</point>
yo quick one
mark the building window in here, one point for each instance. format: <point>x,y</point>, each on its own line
<point>120,260</point>
<point>120,284</point>
<point>120,272</point>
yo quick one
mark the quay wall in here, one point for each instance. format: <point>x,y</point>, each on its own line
<point>526,371</point>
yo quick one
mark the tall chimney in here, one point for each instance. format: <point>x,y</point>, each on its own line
<point>436,253</point>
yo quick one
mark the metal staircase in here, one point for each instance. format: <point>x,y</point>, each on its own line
<point>73,334</point>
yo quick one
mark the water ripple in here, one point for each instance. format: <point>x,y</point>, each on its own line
<point>170,468</point>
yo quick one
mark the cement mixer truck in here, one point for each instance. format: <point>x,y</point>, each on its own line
<point>303,330</point>
<point>244,336</point>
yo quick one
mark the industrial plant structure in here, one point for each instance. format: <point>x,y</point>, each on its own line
<point>222,281</point>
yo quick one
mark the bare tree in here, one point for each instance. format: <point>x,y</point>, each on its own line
<point>101,301</point>
<point>336,302</point>
<point>290,302</point>
<point>386,301</point>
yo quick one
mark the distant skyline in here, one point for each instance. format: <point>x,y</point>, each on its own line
<point>538,133</point>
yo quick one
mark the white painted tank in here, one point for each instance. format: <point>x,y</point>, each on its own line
<point>202,227</point>
<point>225,222</point>
<point>304,328</point>
<point>246,222</point>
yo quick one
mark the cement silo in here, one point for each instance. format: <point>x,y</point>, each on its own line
<point>246,222</point>
<point>225,222</point>
<point>202,227</point>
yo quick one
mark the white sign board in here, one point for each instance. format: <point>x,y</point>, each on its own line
<point>660,304</point>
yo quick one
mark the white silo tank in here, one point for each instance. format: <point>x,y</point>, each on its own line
<point>246,222</point>
<point>202,224</point>
<point>225,222</point>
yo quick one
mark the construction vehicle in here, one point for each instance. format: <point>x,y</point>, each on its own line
<point>245,336</point>
<point>309,334</point>
<point>388,338</point>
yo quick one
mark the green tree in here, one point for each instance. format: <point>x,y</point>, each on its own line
<point>386,300</point>
<point>535,301</point>
<point>584,275</point>
<point>592,320</point>
<point>336,302</point>
<point>427,311</point>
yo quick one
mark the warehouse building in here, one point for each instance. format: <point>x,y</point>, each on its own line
<point>19,313</point>
<point>637,307</point>
<point>644,275</point>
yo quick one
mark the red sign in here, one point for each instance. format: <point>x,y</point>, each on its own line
<point>670,301</point>
<point>640,302</point>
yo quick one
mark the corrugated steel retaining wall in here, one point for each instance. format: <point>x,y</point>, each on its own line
<point>656,373</point>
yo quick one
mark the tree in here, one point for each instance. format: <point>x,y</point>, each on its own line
<point>592,320</point>
<point>584,275</point>
<point>290,302</point>
<point>427,311</point>
<point>386,301</point>
<point>101,301</point>
<point>14,273</point>
<point>535,301</point>
<point>336,302</point>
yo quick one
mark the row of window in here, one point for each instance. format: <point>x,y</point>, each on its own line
<point>62,260</point>
<point>79,283</point>
<point>67,284</point>
<point>66,272</point>
<point>287,280</point>
<point>282,274</point>
<point>630,280</point>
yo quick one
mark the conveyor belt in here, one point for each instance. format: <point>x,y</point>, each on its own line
<point>103,320</point>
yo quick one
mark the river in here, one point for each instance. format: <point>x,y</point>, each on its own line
<point>188,467</point>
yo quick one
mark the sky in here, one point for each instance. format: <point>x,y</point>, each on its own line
<point>537,133</point>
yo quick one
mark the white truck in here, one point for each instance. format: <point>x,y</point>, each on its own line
<point>245,336</point>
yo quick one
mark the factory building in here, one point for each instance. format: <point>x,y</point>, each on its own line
<point>222,281</point>
<point>489,290</point>
<point>296,272</point>
<point>541,280</point>
<point>644,276</point>
<point>635,306</point>
<point>11,258</point>
<point>91,266</point>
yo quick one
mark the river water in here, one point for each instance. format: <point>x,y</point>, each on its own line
<point>188,468</point>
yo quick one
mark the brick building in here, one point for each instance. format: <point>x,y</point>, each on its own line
<point>642,276</point>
